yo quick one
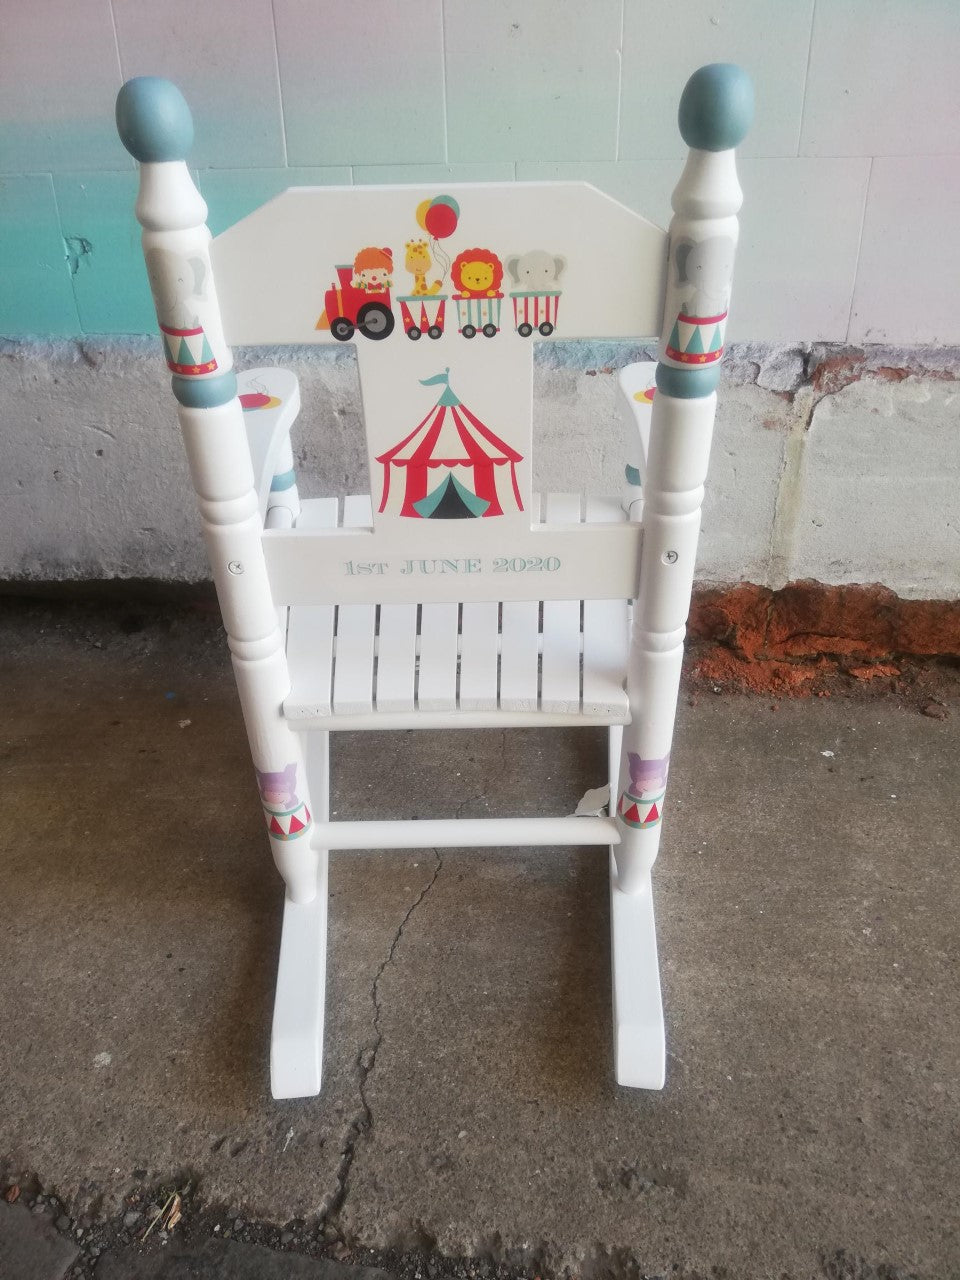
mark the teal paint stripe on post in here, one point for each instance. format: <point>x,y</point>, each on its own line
<point>204,393</point>
<point>285,480</point>
<point>687,384</point>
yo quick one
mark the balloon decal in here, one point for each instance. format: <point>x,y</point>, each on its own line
<point>439,216</point>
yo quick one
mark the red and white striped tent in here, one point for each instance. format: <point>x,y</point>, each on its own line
<point>451,466</point>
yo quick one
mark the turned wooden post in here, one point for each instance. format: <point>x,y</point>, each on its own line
<point>155,126</point>
<point>715,113</point>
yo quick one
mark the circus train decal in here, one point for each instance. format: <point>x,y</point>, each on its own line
<point>641,801</point>
<point>361,299</point>
<point>451,466</point>
<point>287,815</point>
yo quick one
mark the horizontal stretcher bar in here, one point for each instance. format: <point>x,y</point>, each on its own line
<point>465,833</point>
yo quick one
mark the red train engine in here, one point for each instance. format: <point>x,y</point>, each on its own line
<point>349,306</point>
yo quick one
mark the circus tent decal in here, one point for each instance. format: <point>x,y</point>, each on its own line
<point>452,466</point>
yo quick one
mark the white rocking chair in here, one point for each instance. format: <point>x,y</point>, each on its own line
<point>452,595</point>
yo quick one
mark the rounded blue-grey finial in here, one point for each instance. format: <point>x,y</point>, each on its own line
<point>716,107</point>
<point>153,120</point>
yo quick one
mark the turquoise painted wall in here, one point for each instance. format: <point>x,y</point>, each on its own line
<point>851,173</point>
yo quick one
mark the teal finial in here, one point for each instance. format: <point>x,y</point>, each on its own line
<point>716,107</point>
<point>153,120</point>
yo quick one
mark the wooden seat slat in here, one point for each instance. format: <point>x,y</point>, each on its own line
<point>356,634</point>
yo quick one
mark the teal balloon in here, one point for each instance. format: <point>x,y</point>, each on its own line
<point>153,120</point>
<point>716,107</point>
<point>449,202</point>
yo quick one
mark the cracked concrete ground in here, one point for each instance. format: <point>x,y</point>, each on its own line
<point>807,904</point>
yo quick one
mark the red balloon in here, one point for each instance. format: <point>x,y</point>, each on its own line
<point>441,221</point>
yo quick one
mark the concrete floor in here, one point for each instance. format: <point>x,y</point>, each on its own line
<point>808,907</point>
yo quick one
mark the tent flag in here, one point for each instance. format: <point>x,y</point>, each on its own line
<point>451,466</point>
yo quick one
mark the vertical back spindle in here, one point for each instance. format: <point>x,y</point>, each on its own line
<point>716,109</point>
<point>155,126</point>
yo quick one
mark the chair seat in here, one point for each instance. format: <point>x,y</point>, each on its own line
<point>475,664</point>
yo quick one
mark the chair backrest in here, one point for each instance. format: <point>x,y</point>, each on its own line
<point>443,292</point>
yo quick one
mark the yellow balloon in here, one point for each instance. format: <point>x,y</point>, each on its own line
<point>422,208</point>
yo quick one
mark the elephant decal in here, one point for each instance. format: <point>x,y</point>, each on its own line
<point>178,285</point>
<point>536,295</point>
<point>702,291</point>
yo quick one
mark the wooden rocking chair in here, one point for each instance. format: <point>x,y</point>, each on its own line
<point>453,596</point>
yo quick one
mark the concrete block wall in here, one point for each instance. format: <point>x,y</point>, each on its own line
<point>852,196</point>
<point>838,467</point>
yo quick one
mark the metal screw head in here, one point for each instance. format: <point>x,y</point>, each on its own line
<point>235,567</point>
<point>670,557</point>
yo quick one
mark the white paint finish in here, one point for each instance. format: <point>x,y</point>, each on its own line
<point>295,711</point>
<point>362,84</point>
<point>396,658</point>
<point>878,501</point>
<point>353,670</point>
<point>456,663</point>
<point>637,386</point>
<point>296,1039</point>
<point>527,81</point>
<point>665,41</point>
<point>560,646</point>
<point>520,656</point>
<point>268,428</point>
<point>639,1035</point>
<point>910,255</point>
<point>505,562</point>
<point>605,636</point>
<point>310,630</point>
<point>479,655</point>
<point>883,79</point>
<point>439,639</point>
<point>223,56</point>
<point>59,74</point>
<point>466,833</point>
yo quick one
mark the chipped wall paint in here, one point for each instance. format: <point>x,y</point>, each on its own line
<point>834,463</point>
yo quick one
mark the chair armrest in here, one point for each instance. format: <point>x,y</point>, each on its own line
<point>271,402</point>
<point>635,392</point>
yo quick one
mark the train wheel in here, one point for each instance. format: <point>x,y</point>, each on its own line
<point>468,331</point>
<point>546,328</point>
<point>342,329</point>
<point>375,321</point>
<point>524,330</point>
<point>435,331</point>
<point>490,330</point>
<point>413,333</point>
